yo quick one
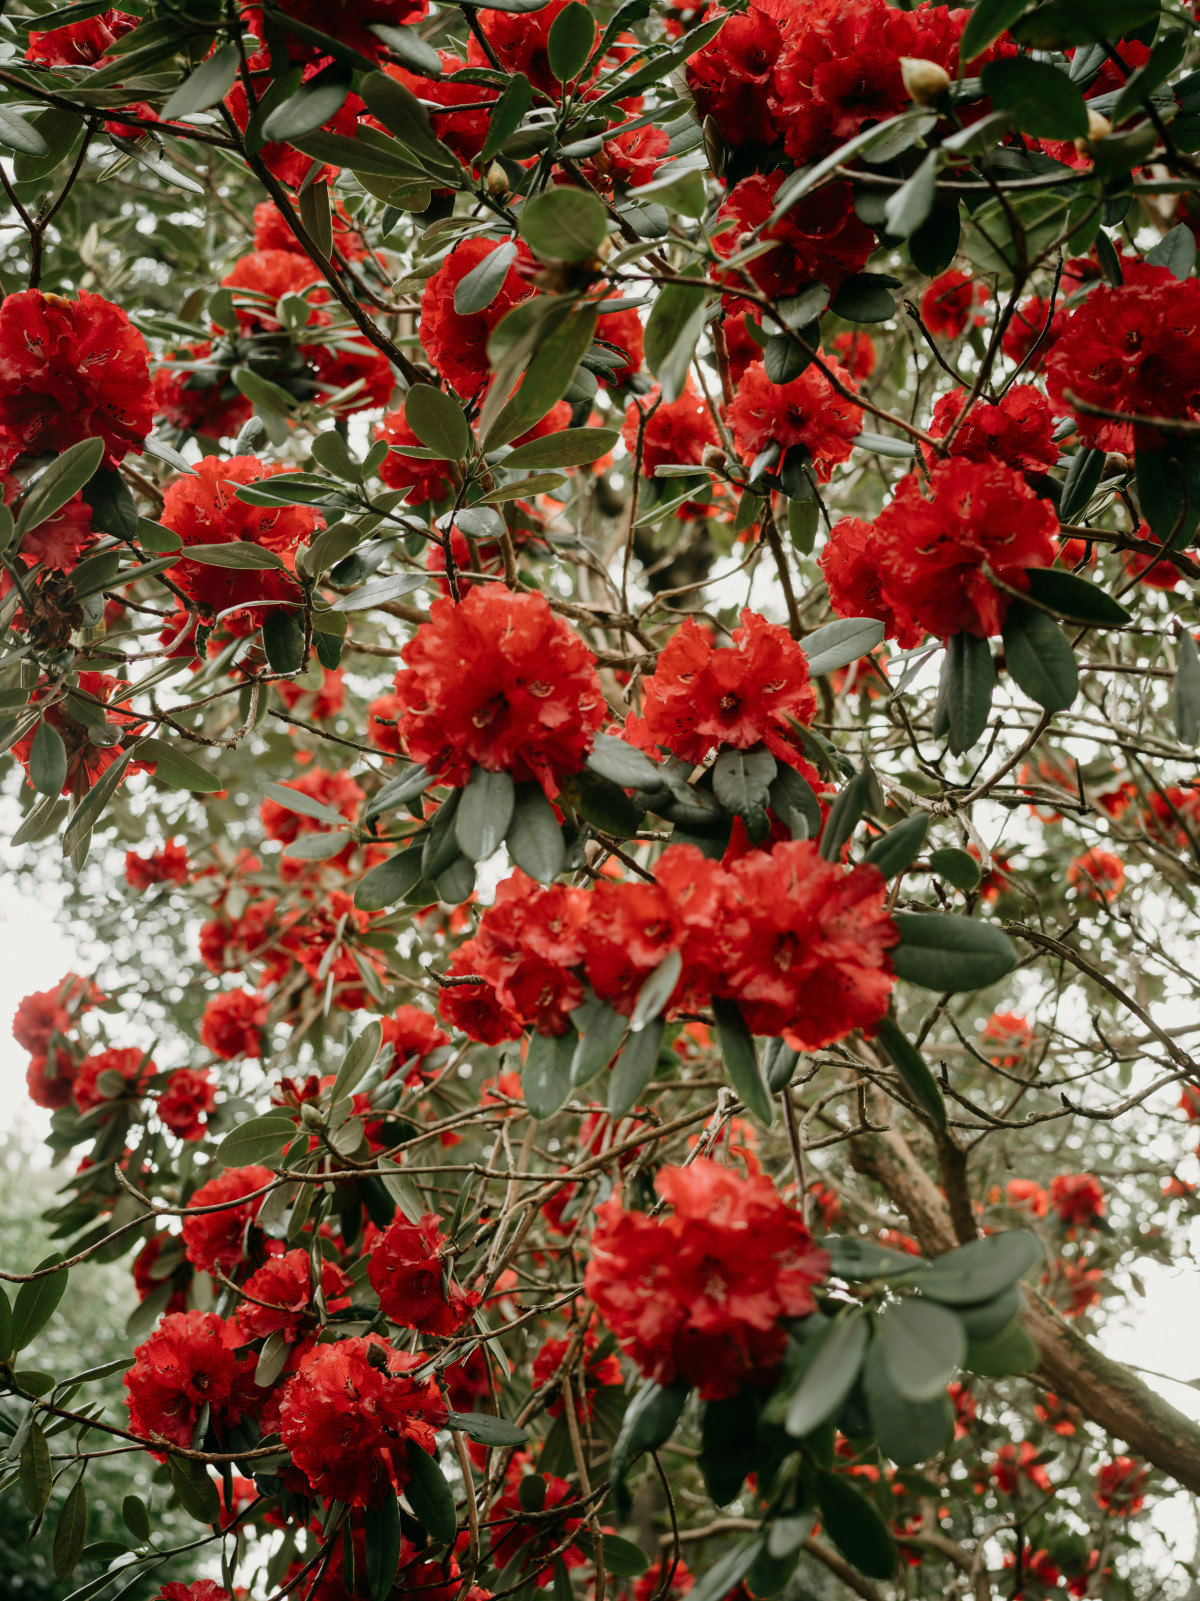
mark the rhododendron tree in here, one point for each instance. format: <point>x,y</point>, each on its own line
<point>598,644</point>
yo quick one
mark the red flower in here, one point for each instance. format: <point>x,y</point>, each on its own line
<point>1097,874</point>
<point>166,866</point>
<point>199,1589</point>
<point>318,704</point>
<point>808,412</point>
<point>592,1374</point>
<point>349,1413</point>
<point>819,240</point>
<point>193,393</point>
<point>839,69</point>
<point>681,1581</point>
<point>1012,1034</point>
<point>740,695</point>
<point>406,1271</point>
<point>804,945</point>
<point>203,509</point>
<point>498,680</point>
<point>133,1066</point>
<point>1121,1487</point>
<point>623,331</point>
<point>628,160</point>
<point>1025,331</point>
<point>698,1296</point>
<point>463,131</point>
<point>72,370</point>
<point>947,305</point>
<point>850,563</point>
<point>1132,349</point>
<point>1014,1465</point>
<point>87,760</point>
<point>220,1239</point>
<point>282,1298</point>
<point>383,717</point>
<point>931,552</point>
<point>150,1276</point>
<point>338,791</point>
<point>233,1024</point>
<point>271,231</point>
<point>349,20</point>
<point>529,941</point>
<point>50,1083</point>
<point>674,434</point>
<point>1154,574</point>
<point>81,44</point>
<point>730,78</point>
<point>1078,1198</point>
<point>413,1035</point>
<point>476,1009</point>
<point>456,342</point>
<point>425,480</point>
<point>188,1364</point>
<point>516,1539</point>
<point>1017,431</point>
<point>1025,1193</point>
<point>48,1012</point>
<point>521,43</point>
<point>59,543</point>
<point>858,354</point>
<point>186,1102</point>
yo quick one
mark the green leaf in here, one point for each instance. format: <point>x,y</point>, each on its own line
<point>794,802</point>
<point>294,800</point>
<point>381,1531</point>
<point>742,779</point>
<point>36,1303</point>
<point>855,1527</point>
<point>484,813</point>
<point>59,483</point>
<point>88,813</point>
<point>843,817</point>
<point>856,1259</point>
<point>673,328</point>
<point>522,488</point>
<point>403,114</point>
<point>839,643</point>
<point>357,1062</point>
<point>314,104</point>
<point>438,421</point>
<point>957,867</point>
<point>483,283</point>
<point>71,1532</point>
<point>6,1326</point>
<point>430,1497</point>
<point>943,952</point>
<point>21,136</point>
<point>602,802</point>
<point>564,224</point>
<point>1068,22</point>
<point>923,1346</point>
<point>259,1139</point>
<point>1039,658</point>
<point>907,1431</point>
<point>991,243</point>
<point>507,115</point>
<point>236,553</point>
<point>965,691</point>
<point>1079,486</point>
<point>865,297</point>
<point>575,447</point>
<point>601,1028</point>
<point>650,1420</point>
<point>209,84</point>
<point>622,1558</point>
<point>980,1270</point>
<point>1187,690</point>
<point>380,592</point>
<point>987,21</point>
<point>571,40</point>
<point>723,1578</point>
<point>1039,99</point>
<point>914,1072</point>
<point>195,1488</point>
<point>1168,487</point>
<point>830,1375</point>
<point>173,768</point>
<point>546,1075</point>
<point>283,640</point>
<point>486,1429</point>
<point>36,1471</point>
<point>136,1517</point>
<point>741,1059</point>
<point>989,1318</point>
<point>390,882</point>
<point>48,760</point>
<point>1176,250</point>
<point>634,1068</point>
<point>1013,1351</point>
<point>892,852</point>
<point>264,395</point>
<point>908,207</point>
<point>624,764</point>
<point>1074,597</point>
<point>534,838</point>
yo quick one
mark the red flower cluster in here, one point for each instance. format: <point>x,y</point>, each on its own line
<point>698,1296</point>
<point>1121,1487</point>
<point>81,44</point>
<point>133,1067</point>
<point>407,1273</point>
<point>809,411</point>
<point>1135,349</point>
<point>413,1035</point>
<point>166,866</point>
<point>924,556</point>
<point>1098,875</point>
<point>949,304</point>
<point>589,1374</point>
<point>1078,1198</point>
<point>187,1365</point>
<point>1018,430</point>
<point>819,240</point>
<point>501,682</point>
<point>187,1101</point>
<point>40,1026</point>
<point>454,341</point>
<point>676,433</point>
<point>741,695</point>
<point>350,21</point>
<point>1015,1465</point>
<point>798,942</point>
<point>233,1024</point>
<point>71,370</point>
<point>280,1297</point>
<point>224,1239</point>
<point>203,509</point>
<point>193,394</point>
<point>86,758</point>
<point>348,1414</point>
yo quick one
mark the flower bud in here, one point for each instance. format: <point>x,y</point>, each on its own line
<point>311,1115</point>
<point>713,457</point>
<point>497,180</point>
<point>925,81</point>
<point>1099,128</point>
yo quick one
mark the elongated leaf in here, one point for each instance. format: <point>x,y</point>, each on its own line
<point>634,1068</point>
<point>742,779</point>
<point>1176,250</point>
<point>843,817</point>
<point>981,1270</point>
<point>172,767</point>
<point>948,953</point>
<point>649,1422</point>
<point>36,1303</point>
<point>575,447</point>
<point>357,1062</point>
<point>1075,598</point>
<point>857,1259</point>
<point>546,1075</point>
<point>136,1517</point>
<point>601,1029</point>
<point>726,1574</point>
<point>910,205</point>
<point>236,553</point>
<point>674,326</point>
<point>260,1139</point>
<point>195,1488</point>
<point>60,482</point>
<point>379,592</point>
<point>1060,23</point>
<point>656,990</point>
<point>382,1543</point>
<point>1039,657</point>
<point>741,1059</point>
<point>21,136</point>
<point>71,1533</point>
<point>1039,98</point>
<point>965,691</point>
<point>47,760</point>
<point>314,104</point>
<point>830,1375</point>
<point>923,1345</point>
<point>508,113</point>
<point>1187,689</point>
<point>438,421</point>
<point>484,813</point>
<point>987,21</point>
<point>623,763</point>
<point>892,852</point>
<point>957,867</point>
<point>839,643</point>
<point>907,1431</point>
<point>36,1471</point>
<point>390,882</point>
<point>855,1527</point>
<point>914,1072</point>
<point>483,283</point>
<point>485,1429</point>
<point>209,84</point>
<point>294,800</point>
<point>430,1497</point>
<point>1079,486</point>
<point>534,838</point>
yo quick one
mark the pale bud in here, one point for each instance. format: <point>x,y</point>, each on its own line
<point>497,180</point>
<point>713,457</point>
<point>925,81</point>
<point>1099,128</point>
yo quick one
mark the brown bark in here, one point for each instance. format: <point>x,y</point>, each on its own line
<point>1106,1392</point>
